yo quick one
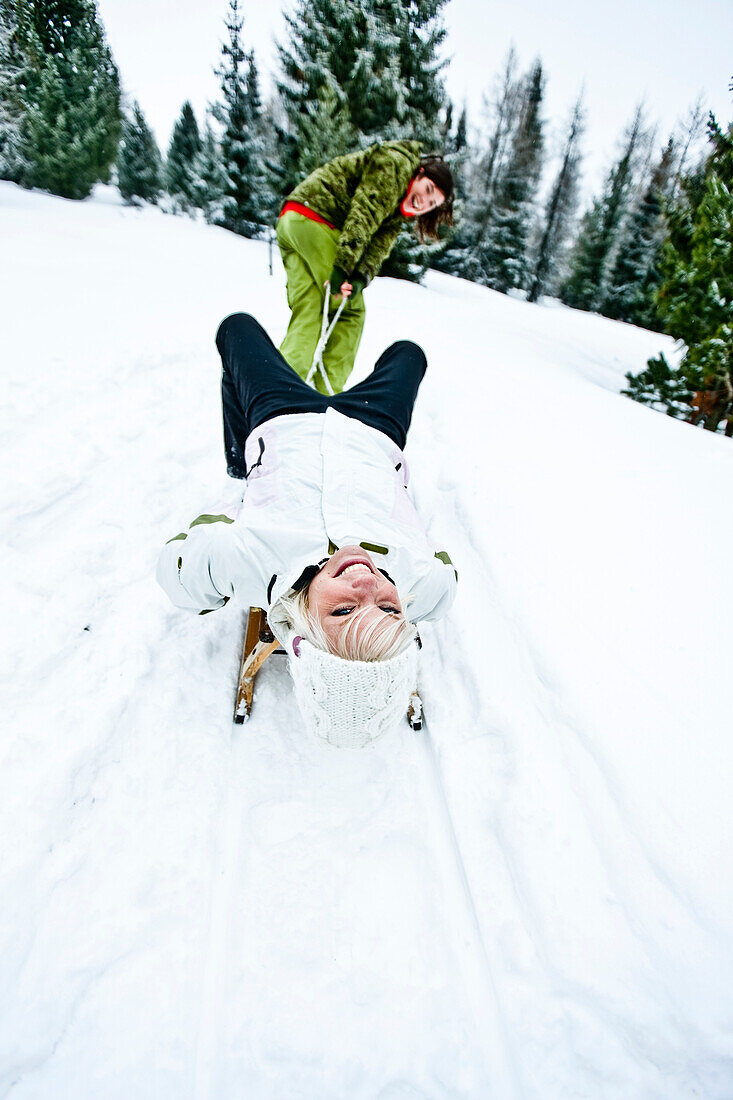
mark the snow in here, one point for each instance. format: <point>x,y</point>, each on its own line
<point>531,900</point>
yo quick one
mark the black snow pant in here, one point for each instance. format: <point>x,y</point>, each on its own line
<point>257,385</point>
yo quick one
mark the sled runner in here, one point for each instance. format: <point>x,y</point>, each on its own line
<point>259,643</point>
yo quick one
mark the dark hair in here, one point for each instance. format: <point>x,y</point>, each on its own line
<point>434,167</point>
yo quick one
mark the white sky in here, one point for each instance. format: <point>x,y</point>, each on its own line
<point>664,52</point>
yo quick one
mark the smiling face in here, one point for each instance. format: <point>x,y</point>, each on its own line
<point>423,196</point>
<point>347,583</point>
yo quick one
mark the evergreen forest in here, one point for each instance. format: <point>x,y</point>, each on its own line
<point>654,247</point>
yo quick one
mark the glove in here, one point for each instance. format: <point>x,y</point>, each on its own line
<point>358,281</point>
<point>336,278</point>
<point>339,276</point>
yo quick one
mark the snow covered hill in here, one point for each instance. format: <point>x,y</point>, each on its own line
<point>533,902</point>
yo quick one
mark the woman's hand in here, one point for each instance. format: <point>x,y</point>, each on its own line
<point>350,286</point>
<point>339,283</point>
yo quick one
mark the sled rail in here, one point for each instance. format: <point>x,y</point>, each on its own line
<point>259,642</point>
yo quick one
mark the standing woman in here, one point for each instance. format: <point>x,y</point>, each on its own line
<point>338,226</point>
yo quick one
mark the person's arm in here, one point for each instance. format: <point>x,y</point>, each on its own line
<point>374,256</point>
<point>379,192</point>
<point>202,568</point>
<point>434,592</point>
<point>379,248</point>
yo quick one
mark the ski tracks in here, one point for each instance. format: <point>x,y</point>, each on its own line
<point>476,966</point>
<point>221,913</point>
<point>586,868</point>
<point>343,869</point>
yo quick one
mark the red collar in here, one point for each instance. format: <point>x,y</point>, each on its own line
<point>408,213</point>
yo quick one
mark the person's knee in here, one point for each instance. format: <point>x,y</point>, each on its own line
<point>234,323</point>
<point>411,354</point>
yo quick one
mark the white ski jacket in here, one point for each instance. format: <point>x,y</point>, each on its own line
<point>315,482</point>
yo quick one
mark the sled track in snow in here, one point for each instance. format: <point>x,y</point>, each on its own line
<point>467,940</point>
<point>223,883</point>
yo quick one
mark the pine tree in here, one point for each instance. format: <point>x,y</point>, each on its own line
<point>71,97</point>
<point>458,152</point>
<point>695,299</point>
<point>373,82</point>
<point>11,110</point>
<point>243,209</point>
<point>420,108</point>
<point>504,114</point>
<point>268,203</point>
<point>185,145</point>
<point>209,179</point>
<point>54,22</point>
<point>379,57</point>
<point>502,253</point>
<point>420,37</point>
<point>306,70</point>
<point>688,139</point>
<point>700,311</point>
<point>559,211</point>
<point>446,127</point>
<point>458,142</point>
<point>661,387</point>
<point>598,235</point>
<point>449,255</point>
<point>634,279</point>
<point>478,174</point>
<point>139,166</point>
<point>273,127</point>
<point>326,131</point>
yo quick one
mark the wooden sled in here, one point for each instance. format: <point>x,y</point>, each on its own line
<point>259,643</point>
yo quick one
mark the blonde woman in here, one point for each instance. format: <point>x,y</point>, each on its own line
<point>327,538</point>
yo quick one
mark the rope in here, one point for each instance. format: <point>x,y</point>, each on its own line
<point>326,331</point>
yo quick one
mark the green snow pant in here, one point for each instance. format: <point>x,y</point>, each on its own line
<point>308,250</point>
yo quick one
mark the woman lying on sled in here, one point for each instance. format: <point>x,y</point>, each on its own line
<point>327,539</point>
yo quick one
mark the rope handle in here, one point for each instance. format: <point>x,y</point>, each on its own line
<point>326,331</point>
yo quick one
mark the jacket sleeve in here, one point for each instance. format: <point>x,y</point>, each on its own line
<point>203,568</point>
<point>379,248</point>
<point>375,199</point>
<point>433,594</point>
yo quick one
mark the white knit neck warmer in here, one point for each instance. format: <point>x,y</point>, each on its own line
<point>351,703</point>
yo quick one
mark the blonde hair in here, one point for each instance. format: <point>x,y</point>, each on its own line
<point>382,636</point>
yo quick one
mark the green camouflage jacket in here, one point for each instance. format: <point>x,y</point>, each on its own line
<point>361,194</point>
